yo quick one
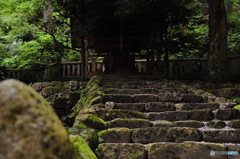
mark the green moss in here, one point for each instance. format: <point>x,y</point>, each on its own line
<point>83,148</point>
<point>180,139</point>
<point>93,121</point>
<point>216,124</point>
<point>89,134</point>
<point>88,95</point>
<point>237,107</point>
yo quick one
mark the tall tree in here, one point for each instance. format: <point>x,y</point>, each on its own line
<point>217,60</point>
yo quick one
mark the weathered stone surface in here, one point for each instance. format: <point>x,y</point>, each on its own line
<point>122,151</point>
<point>235,124</point>
<point>115,135</point>
<point>117,113</point>
<point>60,103</point>
<point>73,98</point>
<point>202,114</point>
<point>144,98</point>
<point>192,124</point>
<point>73,85</point>
<point>169,97</point>
<point>191,98</point>
<point>37,86</point>
<point>46,92</point>
<point>169,115</point>
<point>222,136</point>
<point>28,126</point>
<point>121,91</point>
<point>118,98</point>
<point>216,124</point>
<point>149,91</point>
<point>159,107</point>
<point>150,135</point>
<point>189,150</point>
<point>194,106</point>
<point>174,90</point>
<point>227,114</point>
<point>130,106</point>
<point>92,121</point>
<point>129,123</point>
<point>224,92</point>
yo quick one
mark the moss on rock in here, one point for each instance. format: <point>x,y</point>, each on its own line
<point>82,147</point>
<point>29,127</point>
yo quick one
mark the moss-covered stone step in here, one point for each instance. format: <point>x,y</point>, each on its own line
<point>122,151</point>
<point>118,98</point>
<point>166,150</point>
<point>189,123</point>
<point>227,114</point>
<point>115,135</point>
<point>144,98</point>
<point>129,123</point>
<point>234,124</point>
<point>121,91</point>
<point>149,135</point>
<point>184,98</point>
<point>130,106</point>
<point>190,150</point>
<point>145,91</point>
<point>200,115</point>
<point>194,106</point>
<point>117,113</point>
<point>175,134</point>
<point>175,90</point>
<point>159,107</point>
<point>146,107</point>
<point>222,136</point>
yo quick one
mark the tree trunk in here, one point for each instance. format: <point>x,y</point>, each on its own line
<point>47,17</point>
<point>79,34</point>
<point>217,61</point>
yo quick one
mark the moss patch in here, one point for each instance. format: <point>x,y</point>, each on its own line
<point>82,147</point>
<point>237,107</point>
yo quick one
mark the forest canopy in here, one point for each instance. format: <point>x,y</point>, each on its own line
<point>39,31</point>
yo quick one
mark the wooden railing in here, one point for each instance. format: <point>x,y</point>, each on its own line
<point>177,68</point>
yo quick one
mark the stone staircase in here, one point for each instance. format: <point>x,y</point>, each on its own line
<point>149,119</point>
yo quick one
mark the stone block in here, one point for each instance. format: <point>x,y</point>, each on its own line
<point>115,135</point>
<point>129,123</point>
<point>191,98</point>
<point>130,106</point>
<point>194,106</point>
<point>122,151</point>
<point>118,98</point>
<point>227,114</point>
<point>117,113</point>
<point>169,97</point>
<point>159,107</point>
<point>144,98</point>
<point>201,115</point>
<point>169,115</point>
<point>222,136</point>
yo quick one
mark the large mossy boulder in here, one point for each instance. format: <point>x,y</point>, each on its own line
<point>28,126</point>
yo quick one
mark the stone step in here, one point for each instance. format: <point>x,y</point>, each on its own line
<point>168,150</point>
<point>164,106</point>
<point>146,91</point>
<point>194,106</point>
<point>192,150</point>
<point>222,136</point>
<point>117,113</point>
<point>129,123</point>
<point>144,98</point>
<point>149,135</point>
<point>168,134</point>
<point>122,151</point>
<point>189,123</point>
<point>199,115</point>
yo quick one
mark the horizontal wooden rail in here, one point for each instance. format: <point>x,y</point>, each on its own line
<point>176,68</point>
